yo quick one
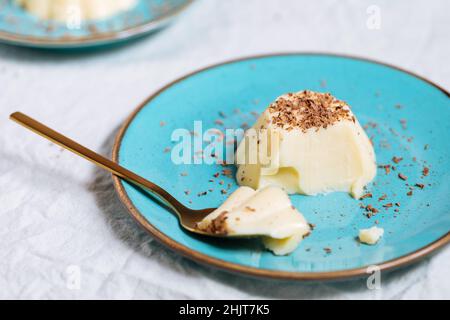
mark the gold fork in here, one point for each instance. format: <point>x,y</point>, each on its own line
<point>187,217</point>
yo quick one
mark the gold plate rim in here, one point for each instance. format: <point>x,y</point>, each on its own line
<point>94,39</point>
<point>252,271</point>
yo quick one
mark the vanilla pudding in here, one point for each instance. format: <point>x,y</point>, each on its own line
<point>65,10</point>
<point>267,213</point>
<point>316,146</point>
<point>370,236</point>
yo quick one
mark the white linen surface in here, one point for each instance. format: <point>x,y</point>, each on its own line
<point>58,212</point>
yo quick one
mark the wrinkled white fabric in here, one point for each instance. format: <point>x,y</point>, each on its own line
<point>58,211</point>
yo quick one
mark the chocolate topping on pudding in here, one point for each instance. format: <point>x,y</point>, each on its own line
<point>217,225</point>
<point>307,109</point>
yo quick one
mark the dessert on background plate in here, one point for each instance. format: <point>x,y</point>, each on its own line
<point>267,213</point>
<point>68,24</point>
<point>65,10</point>
<point>316,146</point>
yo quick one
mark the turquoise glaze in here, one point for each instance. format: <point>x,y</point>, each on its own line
<point>20,28</point>
<point>374,91</point>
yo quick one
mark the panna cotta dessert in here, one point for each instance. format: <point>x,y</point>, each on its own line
<point>307,143</point>
<point>266,213</point>
<point>65,10</point>
<point>370,236</point>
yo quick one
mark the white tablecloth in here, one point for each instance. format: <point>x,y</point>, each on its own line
<point>60,215</point>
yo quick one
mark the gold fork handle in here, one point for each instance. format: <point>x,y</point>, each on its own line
<point>97,159</point>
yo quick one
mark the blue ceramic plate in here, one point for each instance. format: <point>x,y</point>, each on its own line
<point>405,115</point>
<point>20,28</point>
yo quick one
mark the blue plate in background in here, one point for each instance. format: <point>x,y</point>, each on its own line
<point>405,116</point>
<point>20,28</point>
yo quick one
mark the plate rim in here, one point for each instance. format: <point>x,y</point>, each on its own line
<point>94,39</point>
<point>205,259</point>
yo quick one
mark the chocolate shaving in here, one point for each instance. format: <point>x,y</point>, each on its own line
<point>218,224</point>
<point>386,167</point>
<point>227,172</point>
<point>403,123</point>
<point>371,209</point>
<point>397,160</point>
<point>307,109</point>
